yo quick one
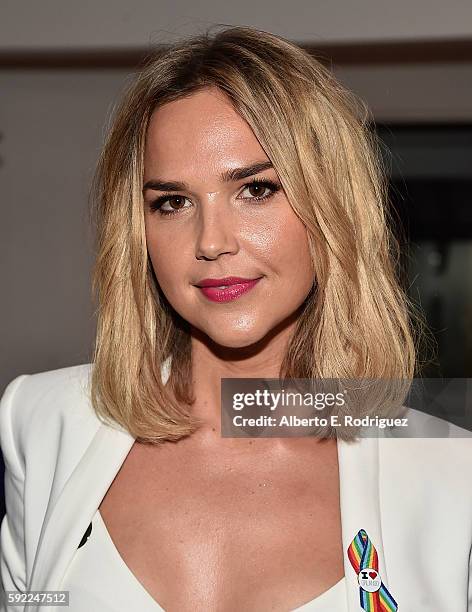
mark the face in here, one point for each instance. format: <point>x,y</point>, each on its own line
<point>214,208</point>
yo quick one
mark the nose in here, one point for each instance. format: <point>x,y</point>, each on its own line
<point>217,233</point>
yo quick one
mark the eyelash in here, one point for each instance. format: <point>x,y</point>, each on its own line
<point>158,202</point>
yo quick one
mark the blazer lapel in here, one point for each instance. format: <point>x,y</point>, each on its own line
<point>360,506</point>
<point>69,516</point>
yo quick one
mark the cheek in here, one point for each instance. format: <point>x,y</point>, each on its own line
<point>295,262</point>
<point>282,243</point>
<point>167,258</point>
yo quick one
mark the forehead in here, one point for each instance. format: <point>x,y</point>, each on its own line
<point>199,134</point>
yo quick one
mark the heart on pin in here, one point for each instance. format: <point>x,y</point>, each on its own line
<point>373,575</point>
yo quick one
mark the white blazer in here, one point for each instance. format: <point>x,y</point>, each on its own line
<point>412,496</point>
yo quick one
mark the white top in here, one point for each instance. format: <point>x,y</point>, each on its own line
<point>98,579</point>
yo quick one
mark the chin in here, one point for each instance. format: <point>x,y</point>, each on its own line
<point>235,338</point>
<point>235,343</point>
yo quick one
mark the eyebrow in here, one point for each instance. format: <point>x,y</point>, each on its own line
<point>234,174</point>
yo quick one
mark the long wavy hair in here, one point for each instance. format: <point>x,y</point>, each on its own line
<point>356,323</point>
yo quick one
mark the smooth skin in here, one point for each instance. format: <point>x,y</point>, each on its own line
<point>210,523</point>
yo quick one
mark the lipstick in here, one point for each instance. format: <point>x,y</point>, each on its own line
<point>226,289</point>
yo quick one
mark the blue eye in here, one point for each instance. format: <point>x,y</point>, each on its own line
<point>258,184</point>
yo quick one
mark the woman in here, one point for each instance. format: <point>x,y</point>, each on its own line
<point>238,161</point>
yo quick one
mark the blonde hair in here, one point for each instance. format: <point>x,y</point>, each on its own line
<point>356,322</point>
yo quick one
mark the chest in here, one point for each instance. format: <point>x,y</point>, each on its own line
<point>224,535</point>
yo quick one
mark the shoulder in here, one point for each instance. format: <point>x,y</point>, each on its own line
<point>46,424</point>
<point>431,452</point>
<point>37,411</point>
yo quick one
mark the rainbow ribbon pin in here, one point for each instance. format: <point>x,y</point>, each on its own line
<point>363,557</point>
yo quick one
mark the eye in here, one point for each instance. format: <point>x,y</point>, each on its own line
<point>158,203</point>
<point>257,189</point>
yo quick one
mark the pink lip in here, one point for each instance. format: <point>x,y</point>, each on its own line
<point>233,291</point>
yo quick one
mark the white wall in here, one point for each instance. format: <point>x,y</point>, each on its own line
<point>51,126</point>
<point>126,23</point>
